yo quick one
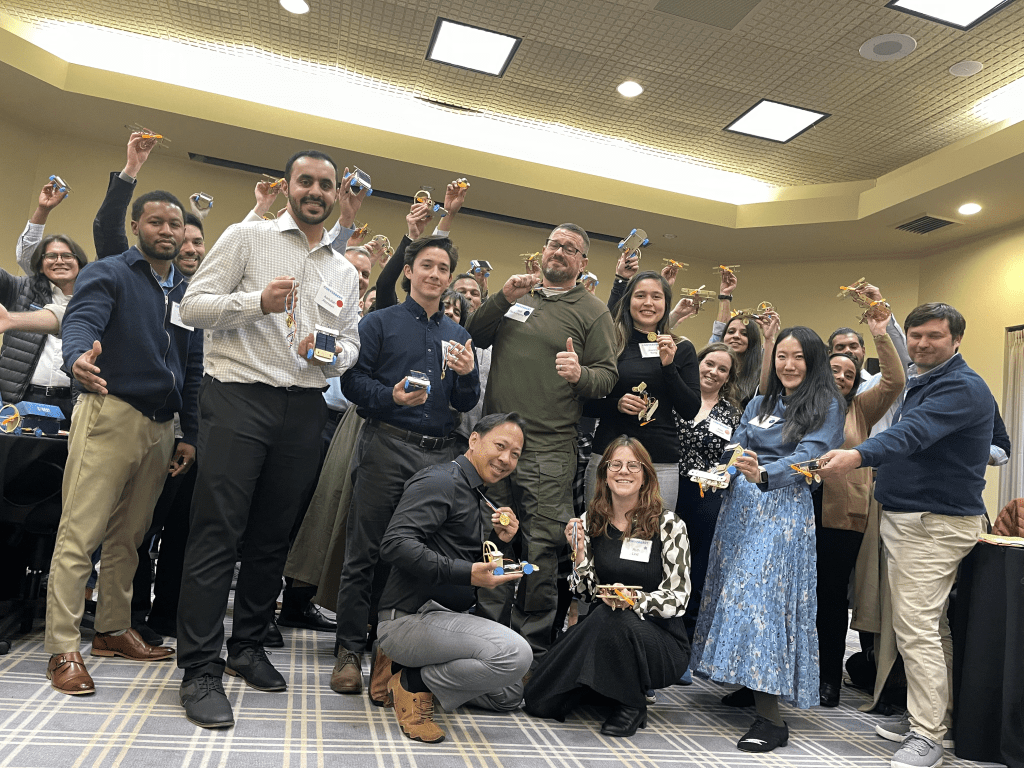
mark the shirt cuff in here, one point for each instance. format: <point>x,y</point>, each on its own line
<point>125,177</point>
<point>997,456</point>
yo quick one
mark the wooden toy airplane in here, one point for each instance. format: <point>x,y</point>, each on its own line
<point>274,185</point>
<point>879,310</point>
<point>623,592</point>
<point>746,315</point>
<point>720,476</point>
<point>161,141</point>
<point>809,469</point>
<point>731,270</point>
<point>646,416</point>
<point>676,264</point>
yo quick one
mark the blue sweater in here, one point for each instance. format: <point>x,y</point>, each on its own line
<point>933,458</point>
<point>147,361</point>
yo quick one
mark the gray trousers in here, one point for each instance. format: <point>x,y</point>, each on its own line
<point>462,658</point>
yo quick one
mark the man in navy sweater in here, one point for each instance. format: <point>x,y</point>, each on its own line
<point>125,344</point>
<point>931,472</point>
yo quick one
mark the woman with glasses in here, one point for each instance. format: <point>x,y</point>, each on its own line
<point>756,625</point>
<point>657,383</point>
<point>632,640</point>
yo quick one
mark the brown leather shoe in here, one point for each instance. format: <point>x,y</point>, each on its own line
<point>347,676</point>
<point>67,674</point>
<point>415,712</point>
<point>380,673</point>
<point>130,645</point>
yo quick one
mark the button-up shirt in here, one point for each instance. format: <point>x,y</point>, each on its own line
<point>48,371</point>
<point>242,344</point>
<point>435,536</point>
<point>400,339</point>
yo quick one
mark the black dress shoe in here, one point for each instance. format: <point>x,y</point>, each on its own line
<point>162,626</point>
<point>829,695</point>
<point>273,638</point>
<point>145,631</point>
<point>205,703</point>
<point>744,697</point>
<point>624,721</point>
<point>764,736</point>
<point>308,617</point>
<point>252,665</point>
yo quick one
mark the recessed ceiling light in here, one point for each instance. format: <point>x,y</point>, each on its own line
<point>670,236</point>
<point>295,6</point>
<point>962,14</point>
<point>966,68</point>
<point>629,89</point>
<point>888,47</point>
<point>969,209</point>
<point>473,48</point>
<point>775,121</point>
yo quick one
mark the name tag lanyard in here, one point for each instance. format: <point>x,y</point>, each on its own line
<point>291,300</point>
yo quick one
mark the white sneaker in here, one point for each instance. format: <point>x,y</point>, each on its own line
<point>897,728</point>
<point>917,752</point>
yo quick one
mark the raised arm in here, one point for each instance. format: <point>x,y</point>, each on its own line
<point>49,198</point>
<point>877,400</point>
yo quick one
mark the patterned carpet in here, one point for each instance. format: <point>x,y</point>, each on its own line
<point>134,719</point>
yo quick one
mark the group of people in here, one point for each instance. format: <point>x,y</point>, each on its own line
<point>448,425</point>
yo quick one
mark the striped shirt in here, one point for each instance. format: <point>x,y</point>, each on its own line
<point>242,345</point>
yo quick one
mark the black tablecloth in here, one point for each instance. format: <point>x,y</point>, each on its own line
<point>988,656</point>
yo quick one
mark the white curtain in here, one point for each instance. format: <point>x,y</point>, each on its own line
<point>1011,475</point>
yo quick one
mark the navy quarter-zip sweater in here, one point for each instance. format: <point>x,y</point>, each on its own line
<point>152,364</point>
<point>933,458</point>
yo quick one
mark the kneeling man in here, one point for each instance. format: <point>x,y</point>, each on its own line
<point>429,646</point>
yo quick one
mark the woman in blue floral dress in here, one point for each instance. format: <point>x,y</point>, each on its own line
<point>757,618</point>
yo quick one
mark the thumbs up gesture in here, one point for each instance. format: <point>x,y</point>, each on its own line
<point>87,372</point>
<point>567,363</point>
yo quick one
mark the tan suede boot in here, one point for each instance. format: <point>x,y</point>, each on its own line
<point>415,712</point>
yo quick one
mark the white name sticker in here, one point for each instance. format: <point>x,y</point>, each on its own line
<point>329,299</point>
<point>176,317</point>
<point>771,421</point>
<point>519,312</point>
<point>724,431</point>
<point>637,550</point>
<point>649,349</point>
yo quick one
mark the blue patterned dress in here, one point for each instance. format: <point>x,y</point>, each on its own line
<point>757,618</point>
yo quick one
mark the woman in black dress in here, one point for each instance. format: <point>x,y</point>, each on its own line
<point>623,647</point>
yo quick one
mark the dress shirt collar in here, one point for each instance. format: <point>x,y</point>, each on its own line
<point>914,378</point>
<point>285,222</point>
<point>419,313</point>
<point>469,471</point>
<point>572,295</point>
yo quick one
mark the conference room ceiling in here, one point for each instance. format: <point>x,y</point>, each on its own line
<point>702,64</point>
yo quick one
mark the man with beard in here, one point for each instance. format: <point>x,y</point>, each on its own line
<point>263,289</point>
<point>124,342</point>
<point>552,346</point>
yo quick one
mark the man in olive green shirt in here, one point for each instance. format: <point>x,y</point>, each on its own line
<point>552,346</point>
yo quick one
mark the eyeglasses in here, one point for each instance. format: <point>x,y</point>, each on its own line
<point>631,466</point>
<point>568,250</point>
<point>58,257</point>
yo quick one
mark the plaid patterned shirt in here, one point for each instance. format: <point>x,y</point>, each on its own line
<point>242,345</point>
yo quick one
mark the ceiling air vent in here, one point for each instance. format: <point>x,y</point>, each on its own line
<point>922,225</point>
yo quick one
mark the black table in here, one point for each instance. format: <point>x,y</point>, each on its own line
<point>988,656</point>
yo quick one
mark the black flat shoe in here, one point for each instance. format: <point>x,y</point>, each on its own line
<point>744,697</point>
<point>829,695</point>
<point>624,721</point>
<point>764,736</point>
<point>308,617</point>
<point>273,638</point>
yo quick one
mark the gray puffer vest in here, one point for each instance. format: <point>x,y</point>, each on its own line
<point>21,350</point>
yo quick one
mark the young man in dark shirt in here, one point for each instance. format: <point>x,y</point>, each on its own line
<point>430,648</point>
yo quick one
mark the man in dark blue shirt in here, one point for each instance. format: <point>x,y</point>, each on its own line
<point>931,473</point>
<point>415,365</point>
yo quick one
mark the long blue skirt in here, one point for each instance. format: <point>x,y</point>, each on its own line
<point>757,619</point>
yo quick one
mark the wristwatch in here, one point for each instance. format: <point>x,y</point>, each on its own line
<point>723,297</point>
<point>764,476</point>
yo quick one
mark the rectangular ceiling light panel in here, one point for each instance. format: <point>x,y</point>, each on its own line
<point>472,48</point>
<point>961,14</point>
<point>775,121</point>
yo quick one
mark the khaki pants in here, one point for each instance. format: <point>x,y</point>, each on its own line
<point>117,462</point>
<point>923,552</point>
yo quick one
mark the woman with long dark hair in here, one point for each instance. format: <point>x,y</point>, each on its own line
<point>654,367</point>
<point>757,619</point>
<point>633,641</point>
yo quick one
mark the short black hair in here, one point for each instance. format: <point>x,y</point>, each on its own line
<point>489,422</point>
<point>369,290</point>
<point>316,154</point>
<point>936,310</point>
<point>36,259</point>
<point>156,196</point>
<point>844,332</point>
<point>461,300</point>
<point>191,220</point>
<point>462,276</point>
<point>430,241</point>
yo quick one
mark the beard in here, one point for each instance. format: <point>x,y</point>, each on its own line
<point>295,207</point>
<point>149,249</point>
<point>557,272</point>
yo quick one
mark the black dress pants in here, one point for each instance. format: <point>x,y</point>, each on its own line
<point>260,449</point>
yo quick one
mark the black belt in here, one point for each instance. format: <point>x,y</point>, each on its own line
<point>391,614</point>
<point>421,441</point>
<point>34,389</point>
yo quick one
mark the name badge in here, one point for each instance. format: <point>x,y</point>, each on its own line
<point>519,312</point>
<point>176,317</point>
<point>649,349</point>
<point>770,421</point>
<point>724,431</point>
<point>637,550</point>
<point>329,299</point>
